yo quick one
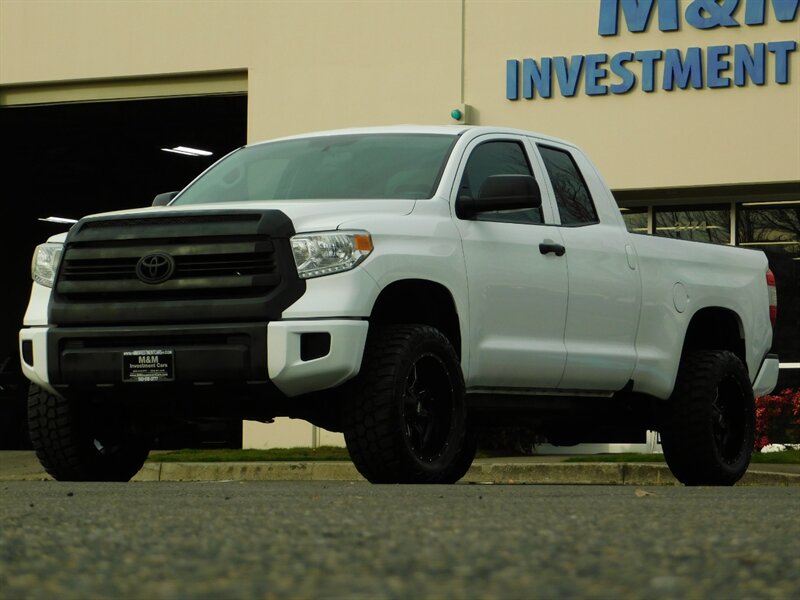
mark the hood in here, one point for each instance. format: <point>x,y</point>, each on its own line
<point>306,215</point>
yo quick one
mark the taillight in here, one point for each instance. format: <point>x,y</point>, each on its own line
<point>773,297</point>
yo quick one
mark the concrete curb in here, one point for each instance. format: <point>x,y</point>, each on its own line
<point>481,473</point>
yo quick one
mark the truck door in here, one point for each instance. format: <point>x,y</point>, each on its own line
<point>517,291</point>
<point>604,286</point>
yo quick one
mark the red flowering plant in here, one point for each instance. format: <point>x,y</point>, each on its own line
<point>778,418</point>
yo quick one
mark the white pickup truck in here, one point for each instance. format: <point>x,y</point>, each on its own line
<point>403,285</point>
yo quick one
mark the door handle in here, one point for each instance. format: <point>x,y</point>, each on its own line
<point>548,247</point>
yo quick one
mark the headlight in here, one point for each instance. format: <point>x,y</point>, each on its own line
<point>45,263</point>
<point>317,254</point>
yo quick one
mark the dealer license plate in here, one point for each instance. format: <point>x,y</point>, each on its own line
<point>148,365</point>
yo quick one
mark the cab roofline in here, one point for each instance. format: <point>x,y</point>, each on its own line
<point>454,130</point>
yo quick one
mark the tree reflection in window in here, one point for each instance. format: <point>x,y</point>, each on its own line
<point>635,220</point>
<point>709,224</point>
<point>770,224</point>
<point>575,206</point>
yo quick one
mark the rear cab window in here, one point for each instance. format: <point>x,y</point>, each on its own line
<point>574,201</point>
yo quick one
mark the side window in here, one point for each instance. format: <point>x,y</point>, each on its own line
<point>498,158</point>
<point>575,206</point>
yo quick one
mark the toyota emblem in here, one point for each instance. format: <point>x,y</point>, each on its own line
<point>155,268</point>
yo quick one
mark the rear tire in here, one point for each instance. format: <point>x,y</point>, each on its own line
<point>75,444</point>
<point>709,424</point>
<point>405,418</point>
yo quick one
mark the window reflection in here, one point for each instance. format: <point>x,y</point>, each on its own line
<point>770,224</point>
<point>575,205</point>
<point>636,220</point>
<point>696,224</point>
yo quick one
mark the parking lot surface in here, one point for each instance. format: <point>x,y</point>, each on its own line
<point>355,540</point>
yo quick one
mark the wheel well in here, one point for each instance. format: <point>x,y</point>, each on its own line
<point>419,301</point>
<point>716,329</point>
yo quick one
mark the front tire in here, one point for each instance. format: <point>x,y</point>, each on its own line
<point>405,419</point>
<point>76,444</point>
<point>709,425</point>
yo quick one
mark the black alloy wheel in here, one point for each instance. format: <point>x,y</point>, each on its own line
<point>404,416</point>
<point>429,407</point>
<point>708,424</point>
<point>78,441</point>
<point>729,419</point>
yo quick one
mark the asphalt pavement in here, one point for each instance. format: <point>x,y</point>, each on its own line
<point>23,466</point>
<point>314,539</point>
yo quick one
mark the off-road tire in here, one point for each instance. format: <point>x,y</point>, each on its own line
<point>709,421</point>
<point>74,443</point>
<point>405,417</point>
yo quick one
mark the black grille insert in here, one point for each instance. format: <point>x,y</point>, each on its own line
<point>182,267</point>
<point>223,267</point>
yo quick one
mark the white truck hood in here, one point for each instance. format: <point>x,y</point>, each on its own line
<point>306,215</point>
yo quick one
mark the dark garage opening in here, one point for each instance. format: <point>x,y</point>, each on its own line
<point>71,160</point>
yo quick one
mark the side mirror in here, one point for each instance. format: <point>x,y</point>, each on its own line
<point>501,192</point>
<point>164,199</point>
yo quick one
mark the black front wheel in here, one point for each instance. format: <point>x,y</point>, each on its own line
<point>76,441</point>
<point>709,421</point>
<point>405,420</point>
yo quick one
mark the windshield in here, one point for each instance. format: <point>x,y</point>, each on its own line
<point>332,167</point>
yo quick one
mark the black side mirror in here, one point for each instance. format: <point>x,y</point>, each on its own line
<point>501,192</point>
<point>164,199</point>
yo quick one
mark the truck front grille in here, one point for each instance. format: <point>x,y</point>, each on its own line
<point>224,267</point>
<point>195,267</point>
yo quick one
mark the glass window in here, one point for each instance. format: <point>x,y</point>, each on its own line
<point>775,224</point>
<point>698,224</point>
<point>635,219</point>
<point>329,167</point>
<point>575,206</point>
<point>498,158</point>
<point>774,228</point>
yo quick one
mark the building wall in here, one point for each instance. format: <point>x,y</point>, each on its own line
<point>327,64</point>
<point>639,140</point>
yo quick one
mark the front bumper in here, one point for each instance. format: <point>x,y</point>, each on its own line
<point>297,357</point>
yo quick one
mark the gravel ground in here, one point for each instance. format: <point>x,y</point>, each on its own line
<point>354,540</point>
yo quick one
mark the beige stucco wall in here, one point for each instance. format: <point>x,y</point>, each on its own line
<point>287,433</point>
<point>310,65</point>
<point>324,64</point>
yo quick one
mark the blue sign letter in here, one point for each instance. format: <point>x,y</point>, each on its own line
<point>715,65</point>
<point>680,72</point>
<point>512,79</point>
<point>637,15</point>
<point>648,59</point>
<point>745,64</point>
<point>708,14</point>
<point>781,51</point>
<point>594,73</point>
<point>618,68</point>
<point>534,78</point>
<point>568,74</point>
<point>785,10</point>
